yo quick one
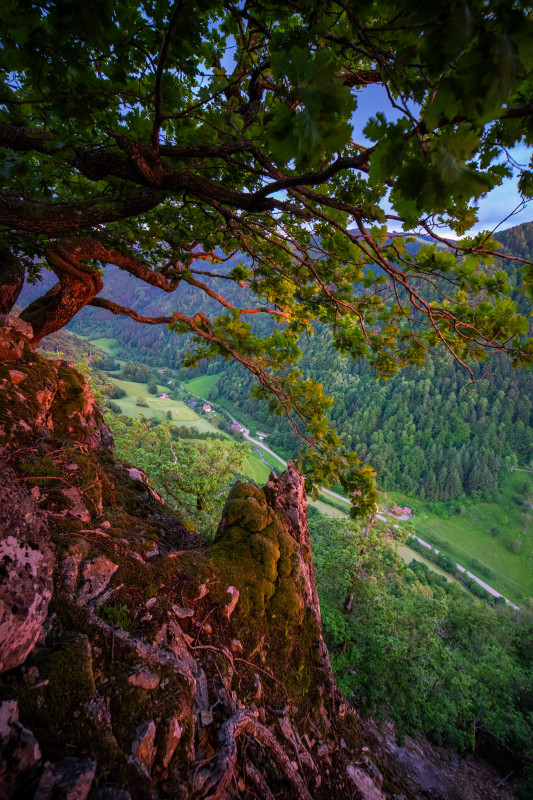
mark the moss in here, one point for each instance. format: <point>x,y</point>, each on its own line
<point>286,605</point>
<point>288,562</point>
<point>248,490</point>
<point>52,708</point>
<point>267,553</point>
<point>255,552</point>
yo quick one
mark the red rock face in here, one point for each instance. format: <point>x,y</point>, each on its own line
<point>14,333</point>
<point>26,570</point>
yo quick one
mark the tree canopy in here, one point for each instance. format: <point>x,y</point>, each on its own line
<point>183,140</point>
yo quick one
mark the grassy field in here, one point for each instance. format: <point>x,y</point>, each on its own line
<point>326,508</point>
<point>407,554</point>
<point>203,384</point>
<point>107,344</point>
<point>470,534</point>
<point>256,470</point>
<point>158,407</point>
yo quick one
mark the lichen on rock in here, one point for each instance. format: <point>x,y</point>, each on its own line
<point>26,569</point>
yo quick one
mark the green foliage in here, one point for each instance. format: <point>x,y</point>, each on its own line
<point>448,666</point>
<point>191,476</point>
<point>118,615</point>
<point>125,141</point>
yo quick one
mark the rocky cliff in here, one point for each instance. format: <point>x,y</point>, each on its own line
<point>138,660</point>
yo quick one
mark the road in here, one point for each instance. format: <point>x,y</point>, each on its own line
<point>481,583</point>
<point>258,444</point>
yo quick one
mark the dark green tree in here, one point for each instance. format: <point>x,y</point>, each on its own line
<point>166,138</point>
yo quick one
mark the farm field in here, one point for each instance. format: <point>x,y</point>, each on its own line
<point>408,555</point>
<point>107,344</point>
<point>158,407</point>
<point>326,508</point>
<point>203,384</point>
<point>254,468</point>
<point>486,532</point>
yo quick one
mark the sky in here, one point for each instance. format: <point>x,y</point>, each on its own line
<point>493,208</point>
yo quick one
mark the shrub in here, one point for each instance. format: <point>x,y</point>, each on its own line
<point>495,531</point>
<point>446,563</point>
<point>141,402</point>
<point>515,546</point>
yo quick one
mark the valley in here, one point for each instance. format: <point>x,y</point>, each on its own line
<point>465,532</point>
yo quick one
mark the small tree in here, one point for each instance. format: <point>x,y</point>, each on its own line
<point>193,477</point>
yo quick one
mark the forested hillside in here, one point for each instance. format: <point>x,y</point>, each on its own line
<point>428,431</point>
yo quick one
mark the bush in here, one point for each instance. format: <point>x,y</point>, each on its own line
<point>141,402</point>
<point>110,390</point>
<point>152,388</point>
<point>515,546</point>
<point>169,414</point>
<point>495,531</point>
<point>446,563</point>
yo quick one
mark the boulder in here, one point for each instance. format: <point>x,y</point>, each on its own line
<point>70,779</point>
<point>364,784</point>
<point>19,750</point>
<point>144,678</point>
<point>26,570</point>
<point>143,747</point>
<point>14,332</point>
<point>171,740</point>
<point>96,575</point>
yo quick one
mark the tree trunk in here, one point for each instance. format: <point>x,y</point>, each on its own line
<point>11,282</point>
<point>78,284</point>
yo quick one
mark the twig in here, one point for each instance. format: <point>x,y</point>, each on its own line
<point>272,678</point>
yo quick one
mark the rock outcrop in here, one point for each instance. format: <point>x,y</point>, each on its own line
<point>26,569</point>
<point>162,666</point>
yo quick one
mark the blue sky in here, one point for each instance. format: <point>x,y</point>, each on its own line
<point>501,202</point>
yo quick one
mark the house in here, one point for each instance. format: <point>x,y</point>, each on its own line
<point>207,407</point>
<point>236,427</point>
<point>164,396</point>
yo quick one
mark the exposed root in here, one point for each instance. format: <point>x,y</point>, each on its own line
<point>245,722</point>
<point>259,783</point>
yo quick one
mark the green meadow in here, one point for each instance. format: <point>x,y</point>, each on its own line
<point>487,532</point>
<point>203,384</point>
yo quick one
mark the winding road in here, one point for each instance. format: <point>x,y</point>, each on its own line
<point>246,433</point>
<point>257,444</point>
